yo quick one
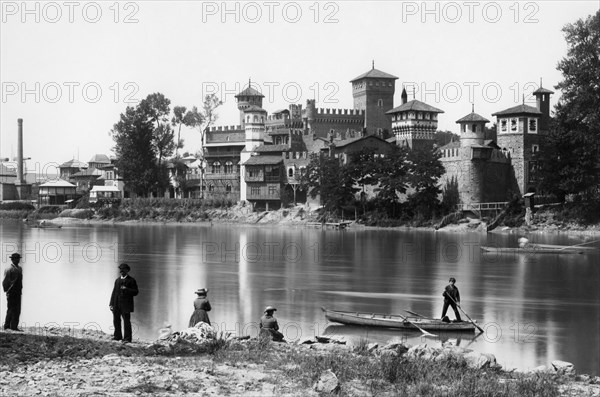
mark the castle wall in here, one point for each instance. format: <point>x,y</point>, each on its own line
<point>337,120</point>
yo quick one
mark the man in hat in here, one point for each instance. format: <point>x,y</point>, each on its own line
<point>13,286</point>
<point>121,303</point>
<point>268,323</point>
<point>451,298</point>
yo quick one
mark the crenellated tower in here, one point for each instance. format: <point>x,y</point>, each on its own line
<point>414,123</point>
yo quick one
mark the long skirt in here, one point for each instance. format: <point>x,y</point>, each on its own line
<point>197,316</point>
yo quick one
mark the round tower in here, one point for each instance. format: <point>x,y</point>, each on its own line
<point>472,129</point>
<point>248,97</point>
<point>254,126</point>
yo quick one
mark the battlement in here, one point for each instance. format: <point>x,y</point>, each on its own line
<point>226,128</point>
<point>340,112</point>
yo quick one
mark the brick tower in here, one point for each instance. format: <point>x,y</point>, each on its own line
<point>373,92</point>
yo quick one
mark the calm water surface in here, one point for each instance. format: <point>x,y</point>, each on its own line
<point>534,308</point>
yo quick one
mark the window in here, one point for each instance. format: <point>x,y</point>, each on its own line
<point>474,128</point>
<point>533,125</point>
<point>463,128</point>
<point>229,167</point>
<point>216,167</point>
<point>273,191</point>
<point>211,188</point>
<point>291,172</point>
<point>228,188</point>
<point>255,190</point>
<point>535,148</point>
<point>513,125</point>
<point>380,103</point>
<point>503,125</point>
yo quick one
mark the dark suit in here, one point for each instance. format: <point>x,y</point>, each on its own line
<point>121,302</point>
<point>13,286</point>
<point>451,298</point>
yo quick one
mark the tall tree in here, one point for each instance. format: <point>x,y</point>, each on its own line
<point>177,121</point>
<point>425,170</point>
<point>570,160</point>
<point>136,156</point>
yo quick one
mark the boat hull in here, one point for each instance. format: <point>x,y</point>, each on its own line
<point>531,250</point>
<point>394,321</point>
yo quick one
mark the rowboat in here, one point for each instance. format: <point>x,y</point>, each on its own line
<point>531,250</point>
<point>394,321</point>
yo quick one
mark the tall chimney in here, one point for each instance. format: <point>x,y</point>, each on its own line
<point>20,179</point>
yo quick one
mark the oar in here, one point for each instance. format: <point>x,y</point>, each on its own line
<point>418,315</point>
<point>461,309</point>
<point>420,329</point>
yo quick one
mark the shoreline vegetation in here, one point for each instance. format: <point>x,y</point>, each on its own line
<point>51,361</point>
<point>575,218</point>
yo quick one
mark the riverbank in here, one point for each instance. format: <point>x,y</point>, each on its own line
<point>72,362</point>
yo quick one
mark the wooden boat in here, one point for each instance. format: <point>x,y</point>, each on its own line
<point>45,225</point>
<point>393,321</point>
<point>532,250</point>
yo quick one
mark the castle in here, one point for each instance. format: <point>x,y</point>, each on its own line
<point>259,160</point>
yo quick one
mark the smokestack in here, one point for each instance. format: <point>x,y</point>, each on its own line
<point>20,179</point>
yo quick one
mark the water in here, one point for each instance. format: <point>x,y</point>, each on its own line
<point>534,308</point>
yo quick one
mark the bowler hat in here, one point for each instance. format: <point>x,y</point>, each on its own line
<point>15,255</point>
<point>452,279</point>
<point>202,291</point>
<point>124,266</point>
<point>270,309</point>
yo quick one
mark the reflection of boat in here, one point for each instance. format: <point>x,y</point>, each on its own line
<point>394,321</point>
<point>534,249</point>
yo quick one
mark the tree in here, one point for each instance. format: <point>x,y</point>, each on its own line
<point>178,120</point>
<point>392,178</point>
<point>136,157</point>
<point>570,160</point>
<point>424,172</point>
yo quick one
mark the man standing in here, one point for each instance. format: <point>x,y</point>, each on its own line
<point>121,303</point>
<point>13,286</point>
<point>452,298</point>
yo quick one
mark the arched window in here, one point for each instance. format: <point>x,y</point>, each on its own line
<point>216,167</point>
<point>229,167</point>
<point>228,188</point>
<point>380,103</point>
<point>291,172</point>
<point>474,128</point>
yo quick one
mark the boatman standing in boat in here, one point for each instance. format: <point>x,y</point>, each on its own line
<point>451,298</point>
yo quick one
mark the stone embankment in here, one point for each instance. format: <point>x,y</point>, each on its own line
<point>199,361</point>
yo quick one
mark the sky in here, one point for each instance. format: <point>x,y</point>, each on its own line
<point>69,69</point>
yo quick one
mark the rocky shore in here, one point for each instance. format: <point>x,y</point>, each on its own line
<point>196,361</point>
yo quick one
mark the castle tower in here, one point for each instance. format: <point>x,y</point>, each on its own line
<point>248,97</point>
<point>542,96</point>
<point>517,132</point>
<point>472,129</point>
<point>414,123</point>
<point>373,92</point>
<point>254,127</point>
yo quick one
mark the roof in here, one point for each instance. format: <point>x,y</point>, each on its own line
<point>271,148</point>
<point>375,74</point>
<point>451,145</point>
<point>391,140</point>
<point>104,189</point>
<point>472,117</point>
<point>414,105</point>
<point>73,164</point>
<point>264,160</point>
<point>542,90</point>
<point>249,91</point>
<point>346,142</point>
<point>57,183</point>
<point>519,109</point>
<point>254,108</point>
<point>281,111</point>
<point>100,158</point>
<point>88,172</point>
<point>491,143</point>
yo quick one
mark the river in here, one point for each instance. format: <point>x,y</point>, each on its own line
<point>534,308</point>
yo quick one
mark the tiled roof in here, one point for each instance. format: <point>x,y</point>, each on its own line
<point>263,160</point>
<point>346,142</point>
<point>414,105</point>
<point>100,158</point>
<point>57,183</point>
<point>89,172</point>
<point>254,108</point>
<point>73,164</point>
<point>543,90</point>
<point>451,145</point>
<point>249,91</point>
<point>271,148</point>
<point>519,109</point>
<point>374,73</point>
<point>472,117</point>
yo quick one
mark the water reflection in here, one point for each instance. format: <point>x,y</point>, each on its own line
<point>534,308</point>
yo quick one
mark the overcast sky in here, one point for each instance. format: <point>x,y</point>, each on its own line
<point>68,69</point>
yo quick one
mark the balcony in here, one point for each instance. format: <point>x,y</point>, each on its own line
<point>222,176</point>
<point>263,196</point>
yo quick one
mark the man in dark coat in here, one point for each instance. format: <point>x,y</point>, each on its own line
<point>451,298</point>
<point>121,303</point>
<point>13,286</point>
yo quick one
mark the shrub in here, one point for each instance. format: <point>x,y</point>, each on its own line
<point>17,206</point>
